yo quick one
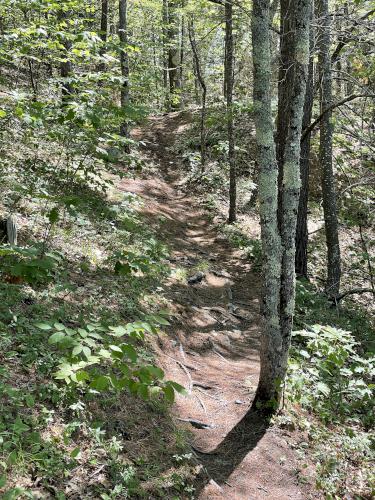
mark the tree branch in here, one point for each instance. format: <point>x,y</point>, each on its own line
<point>335,105</point>
<point>343,42</point>
<point>352,292</point>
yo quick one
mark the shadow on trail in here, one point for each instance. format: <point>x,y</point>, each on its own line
<point>222,461</point>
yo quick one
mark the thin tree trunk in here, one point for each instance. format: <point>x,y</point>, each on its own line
<point>229,97</point>
<point>325,154</point>
<point>182,51</point>
<point>66,68</point>
<point>302,230</point>
<point>165,49</point>
<point>285,86</point>
<point>278,227</point>
<point>203,86</point>
<point>173,55</point>
<point>124,61</point>
<point>103,31</point>
<point>291,170</point>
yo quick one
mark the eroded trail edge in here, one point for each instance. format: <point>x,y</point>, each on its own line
<point>212,344</point>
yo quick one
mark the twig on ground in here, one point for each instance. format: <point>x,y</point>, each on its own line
<point>201,403</point>
<point>202,385</point>
<point>210,396</point>
<point>182,352</point>
<point>185,370</point>
<point>196,423</point>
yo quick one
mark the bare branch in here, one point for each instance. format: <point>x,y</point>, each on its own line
<point>343,42</point>
<point>353,292</point>
<point>330,108</point>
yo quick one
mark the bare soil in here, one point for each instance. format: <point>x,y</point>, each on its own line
<point>212,345</point>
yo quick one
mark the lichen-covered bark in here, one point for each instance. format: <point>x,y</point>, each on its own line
<point>291,172</point>
<point>325,153</point>
<point>271,344</point>
<point>285,86</point>
<point>278,234</point>
<point>302,231</point>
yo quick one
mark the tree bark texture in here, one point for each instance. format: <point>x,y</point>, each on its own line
<point>173,54</point>
<point>202,83</point>
<point>278,226</point>
<point>325,153</point>
<point>229,57</point>
<point>103,31</point>
<point>285,86</point>
<point>165,49</point>
<point>302,230</point>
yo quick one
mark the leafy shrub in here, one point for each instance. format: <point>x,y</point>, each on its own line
<point>103,358</point>
<point>327,375</point>
<point>29,264</point>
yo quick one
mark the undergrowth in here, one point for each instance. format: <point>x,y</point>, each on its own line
<point>82,412</point>
<point>330,385</point>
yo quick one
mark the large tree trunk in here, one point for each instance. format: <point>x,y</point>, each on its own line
<point>229,97</point>
<point>278,229</point>
<point>271,343</point>
<point>285,87</point>
<point>302,230</point>
<point>124,61</point>
<point>291,169</point>
<point>325,153</point>
<point>202,83</point>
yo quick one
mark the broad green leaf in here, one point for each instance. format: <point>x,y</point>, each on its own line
<point>100,383</point>
<point>53,216</point>
<point>77,350</point>
<point>118,331</point>
<point>86,351</point>
<point>19,427</point>
<point>43,326</point>
<point>75,453</point>
<point>168,393</point>
<point>323,388</point>
<point>56,338</point>
<point>177,387</point>
<point>82,375</point>
<point>130,352</point>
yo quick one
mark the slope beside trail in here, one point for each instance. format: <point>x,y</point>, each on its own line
<point>212,344</point>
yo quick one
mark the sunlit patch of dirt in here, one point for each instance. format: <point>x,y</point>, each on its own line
<point>212,344</point>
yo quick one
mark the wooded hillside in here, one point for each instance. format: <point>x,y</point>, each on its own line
<point>187,265</point>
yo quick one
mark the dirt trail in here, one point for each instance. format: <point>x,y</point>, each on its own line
<point>212,346</point>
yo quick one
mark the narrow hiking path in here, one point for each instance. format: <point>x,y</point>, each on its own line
<point>212,344</point>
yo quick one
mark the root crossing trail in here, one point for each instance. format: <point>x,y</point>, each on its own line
<point>212,344</point>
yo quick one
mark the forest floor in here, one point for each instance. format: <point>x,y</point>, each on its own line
<point>212,345</point>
